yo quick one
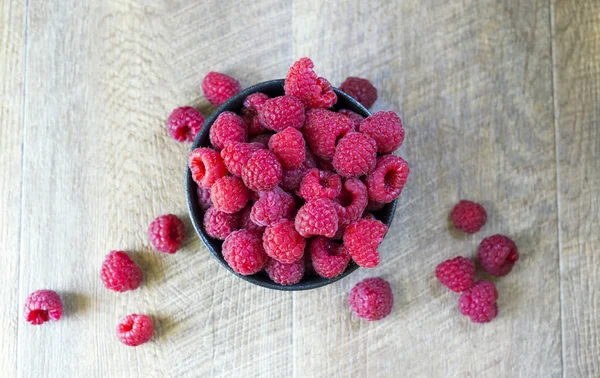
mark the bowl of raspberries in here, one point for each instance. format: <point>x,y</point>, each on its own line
<point>292,184</point>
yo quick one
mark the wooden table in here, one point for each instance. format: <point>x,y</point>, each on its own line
<point>501,102</point>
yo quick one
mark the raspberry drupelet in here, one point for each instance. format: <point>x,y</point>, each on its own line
<point>206,166</point>
<point>184,124</point>
<point>166,233</point>
<point>42,306</point>
<point>329,258</point>
<point>119,273</point>
<point>283,243</point>
<point>371,299</point>
<point>386,181</point>
<point>244,253</point>
<point>135,329</point>
<point>386,129</point>
<point>303,83</point>
<point>497,255</point>
<point>457,274</point>
<point>289,147</point>
<point>479,302</point>
<point>468,216</point>
<point>218,87</point>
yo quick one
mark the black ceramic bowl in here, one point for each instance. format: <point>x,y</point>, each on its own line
<point>272,88</point>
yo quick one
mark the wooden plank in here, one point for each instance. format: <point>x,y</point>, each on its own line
<point>577,88</point>
<point>473,84</point>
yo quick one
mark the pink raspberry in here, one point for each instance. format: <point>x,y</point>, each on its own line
<point>262,172</point>
<point>285,274</point>
<point>479,302</point>
<point>317,217</point>
<point>272,207</point>
<point>323,128</point>
<point>252,104</point>
<point>283,243</point>
<point>236,155</point>
<point>218,87</point>
<point>41,306</point>
<point>204,200</point>
<point>371,299</point>
<point>355,155</point>
<point>135,329</point>
<point>227,128</point>
<point>292,178</point>
<point>386,181</point>
<point>184,124</point>
<point>457,274</point>
<point>355,117</point>
<point>246,222</point>
<point>244,253</point>
<point>219,225</point>
<point>229,194</point>
<point>361,89</point>
<point>362,238</point>
<point>320,184</point>
<point>329,258</point>
<point>386,129</point>
<point>207,166</point>
<point>302,82</point>
<point>468,216</point>
<point>119,273</point>
<point>497,255</point>
<point>282,112</point>
<point>166,233</point>
<point>288,145</point>
<point>262,139</point>
<point>351,204</point>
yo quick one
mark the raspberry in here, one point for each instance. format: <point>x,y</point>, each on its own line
<point>283,243</point>
<point>288,145</point>
<point>351,204</point>
<point>184,124</point>
<point>135,329</point>
<point>355,155</point>
<point>119,273</point>
<point>355,117</point>
<point>262,172</point>
<point>252,104</point>
<point>291,179</point>
<point>282,112</point>
<point>329,258</point>
<point>262,139</point>
<point>285,274</point>
<point>218,87</point>
<point>362,238</point>
<point>272,206</point>
<point>371,299</point>
<point>207,166</point>
<point>497,255</point>
<point>457,274</point>
<point>246,222</point>
<point>229,194</point>
<point>219,225</point>
<point>468,216</point>
<point>317,217</point>
<point>236,155</point>
<point>303,83</point>
<point>166,233</point>
<point>386,181</point>
<point>386,129</point>
<point>322,130</point>
<point>204,200</point>
<point>361,89</point>
<point>244,252</point>
<point>227,128</point>
<point>41,306</point>
<point>479,302</point>
<point>320,184</point>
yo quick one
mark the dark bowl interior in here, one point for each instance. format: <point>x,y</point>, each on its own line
<point>272,88</point>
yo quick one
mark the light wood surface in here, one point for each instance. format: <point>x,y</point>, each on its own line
<point>500,104</point>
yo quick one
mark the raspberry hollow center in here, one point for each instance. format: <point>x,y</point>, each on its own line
<point>393,179</point>
<point>38,316</point>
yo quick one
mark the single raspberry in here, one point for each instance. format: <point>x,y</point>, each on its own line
<point>236,155</point>
<point>371,299</point>
<point>497,255</point>
<point>479,302</point>
<point>303,83</point>
<point>262,172</point>
<point>468,216</point>
<point>204,200</point>
<point>386,181</point>
<point>207,166</point>
<point>120,273</point>
<point>361,89</point>
<point>252,104</point>
<point>166,233</point>
<point>386,128</point>
<point>283,243</point>
<point>350,204</point>
<point>355,117</point>
<point>227,128</point>
<point>368,215</point>
<point>362,238</point>
<point>272,207</point>
<point>320,184</point>
<point>355,155</point>
<point>218,87</point>
<point>292,178</point>
<point>282,112</point>
<point>375,206</point>
<point>135,329</point>
<point>285,274</point>
<point>317,217</point>
<point>457,274</point>
<point>289,147</point>
<point>229,194</point>
<point>246,222</point>
<point>184,124</point>
<point>244,252</point>
<point>219,225</point>
<point>323,128</point>
<point>41,306</point>
<point>261,139</point>
<point>255,102</point>
<point>329,258</point>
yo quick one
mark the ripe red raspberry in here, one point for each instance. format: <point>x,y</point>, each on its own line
<point>244,252</point>
<point>351,203</point>
<point>317,217</point>
<point>282,112</point>
<point>371,299</point>
<point>479,302</point>
<point>457,274</point>
<point>207,166</point>
<point>204,200</point>
<point>184,124</point>
<point>41,306</point>
<point>329,258</point>
<point>362,238</point>
<point>323,128</point>
<point>497,255</point>
<point>236,155</point>
<point>261,139</point>
<point>283,243</point>
<point>320,184</point>
<point>302,82</point>
<point>289,147</point>
<point>135,329</point>
<point>219,225</point>
<point>386,128</point>
<point>227,128</point>
<point>468,216</point>
<point>246,222</point>
<point>361,89</point>
<point>262,172</point>
<point>229,194</point>
<point>355,117</point>
<point>355,155</point>
<point>272,207</point>
<point>292,178</point>
<point>218,87</point>
<point>285,274</point>
<point>386,181</point>
<point>252,104</point>
<point>166,233</point>
<point>119,273</point>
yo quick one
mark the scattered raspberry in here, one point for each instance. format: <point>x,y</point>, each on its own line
<point>184,124</point>
<point>323,128</point>
<point>468,216</point>
<point>317,217</point>
<point>371,299</point>
<point>355,155</point>
<point>479,302</point>
<point>262,139</point>
<point>355,117</point>
<point>229,194</point>
<point>218,87</point>
<point>120,273</point>
<point>329,258</point>
<point>204,200</point>
<point>362,238</point>
<point>320,184</point>
<point>244,252</point>
<point>272,206</point>
<point>255,102</point>
<point>285,274</point>
<point>166,233</point>
<point>207,166</point>
<point>351,204</point>
<point>227,128</point>
<point>497,255</point>
<point>219,225</point>
<point>135,329</point>
<point>262,172</point>
<point>386,129</point>
<point>252,104</point>
<point>291,179</point>
<point>303,83</point>
<point>282,112</point>
<point>288,145</point>
<point>236,155</point>
<point>41,306</point>
<point>386,181</point>
<point>246,222</point>
<point>457,274</point>
<point>361,89</point>
<point>283,243</point>
<point>375,206</point>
